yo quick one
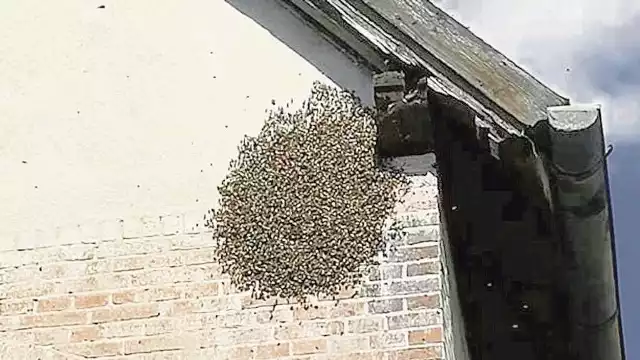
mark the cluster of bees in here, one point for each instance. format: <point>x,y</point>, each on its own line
<point>302,210</point>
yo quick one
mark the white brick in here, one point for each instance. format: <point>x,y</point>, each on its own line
<point>194,241</point>
<point>132,247</point>
<point>348,344</point>
<point>415,219</point>
<point>65,253</point>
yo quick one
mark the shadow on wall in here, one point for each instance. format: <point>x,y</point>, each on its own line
<point>310,45</point>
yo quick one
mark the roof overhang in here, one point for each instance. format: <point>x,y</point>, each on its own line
<point>423,56</point>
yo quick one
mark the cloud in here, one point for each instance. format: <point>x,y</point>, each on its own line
<point>584,49</point>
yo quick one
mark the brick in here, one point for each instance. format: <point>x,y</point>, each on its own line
<point>24,336</point>
<point>124,312</point>
<point>93,349</point>
<point>182,307</point>
<point>132,247</point>
<point>272,351</point>
<point>53,304</point>
<point>14,307</point>
<point>200,256</point>
<point>13,275</point>
<point>99,282</point>
<point>248,336</point>
<point>426,353</point>
<point>420,199</point>
<point>245,318</point>
<point>389,339</point>
<point>249,302</point>
<point>391,272</point>
<point>72,269</point>
<point>281,315</point>
<point>365,325</point>
<point>405,254</point>
<point>346,309</point>
<point>385,306</point>
<point>422,234</point>
<point>12,323</point>
<point>51,336</point>
<point>313,312</point>
<point>86,333</point>
<point>425,268</point>
<point>162,293</point>
<point>124,297</point>
<point>202,273</point>
<point>157,277</point>
<point>27,290</point>
<point>309,329</point>
<point>172,224</point>
<point>419,319</point>
<point>421,337</point>
<point>65,253</point>
<point>413,286</point>
<point>91,301</point>
<point>423,302</point>
<point>192,241</point>
<point>123,329</point>
<point>370,290</point>
<point>347,344</point>
<point>156,343</point>
<point>160,326</point>
<point>239,352</point>
<point>129,263</point>
<point>306,347</point>
<point>363,355</point>
<point>417,219</point>
<point>196,291</point>
<point>152,277</point>
<point>374,274</point>
<point>62,318</point>
<point>165,260</point>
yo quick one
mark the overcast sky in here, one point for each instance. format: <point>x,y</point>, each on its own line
<point>588,50</point>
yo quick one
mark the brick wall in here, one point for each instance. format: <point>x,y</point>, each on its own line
<point>142,289</point>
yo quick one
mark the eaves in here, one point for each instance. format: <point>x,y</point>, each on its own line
<point>521,120</point>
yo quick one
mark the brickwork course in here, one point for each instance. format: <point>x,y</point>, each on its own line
<point>149,289</point>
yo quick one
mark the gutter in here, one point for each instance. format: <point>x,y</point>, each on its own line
<point>576,157</point>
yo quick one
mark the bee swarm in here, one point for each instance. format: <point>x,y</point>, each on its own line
<point>303,208</point>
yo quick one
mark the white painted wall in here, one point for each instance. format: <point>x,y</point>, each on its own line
<point>136,109</point>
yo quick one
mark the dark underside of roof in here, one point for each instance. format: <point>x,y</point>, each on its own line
<point>529,183</point>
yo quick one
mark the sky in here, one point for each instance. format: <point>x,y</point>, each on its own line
<point>588,50</point>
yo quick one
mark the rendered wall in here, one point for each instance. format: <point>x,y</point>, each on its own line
<point>136,108</point>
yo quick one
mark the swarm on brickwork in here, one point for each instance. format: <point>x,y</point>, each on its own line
<point>303,208</point>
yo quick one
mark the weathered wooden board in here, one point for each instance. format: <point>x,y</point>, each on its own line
<point>463,57</point>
